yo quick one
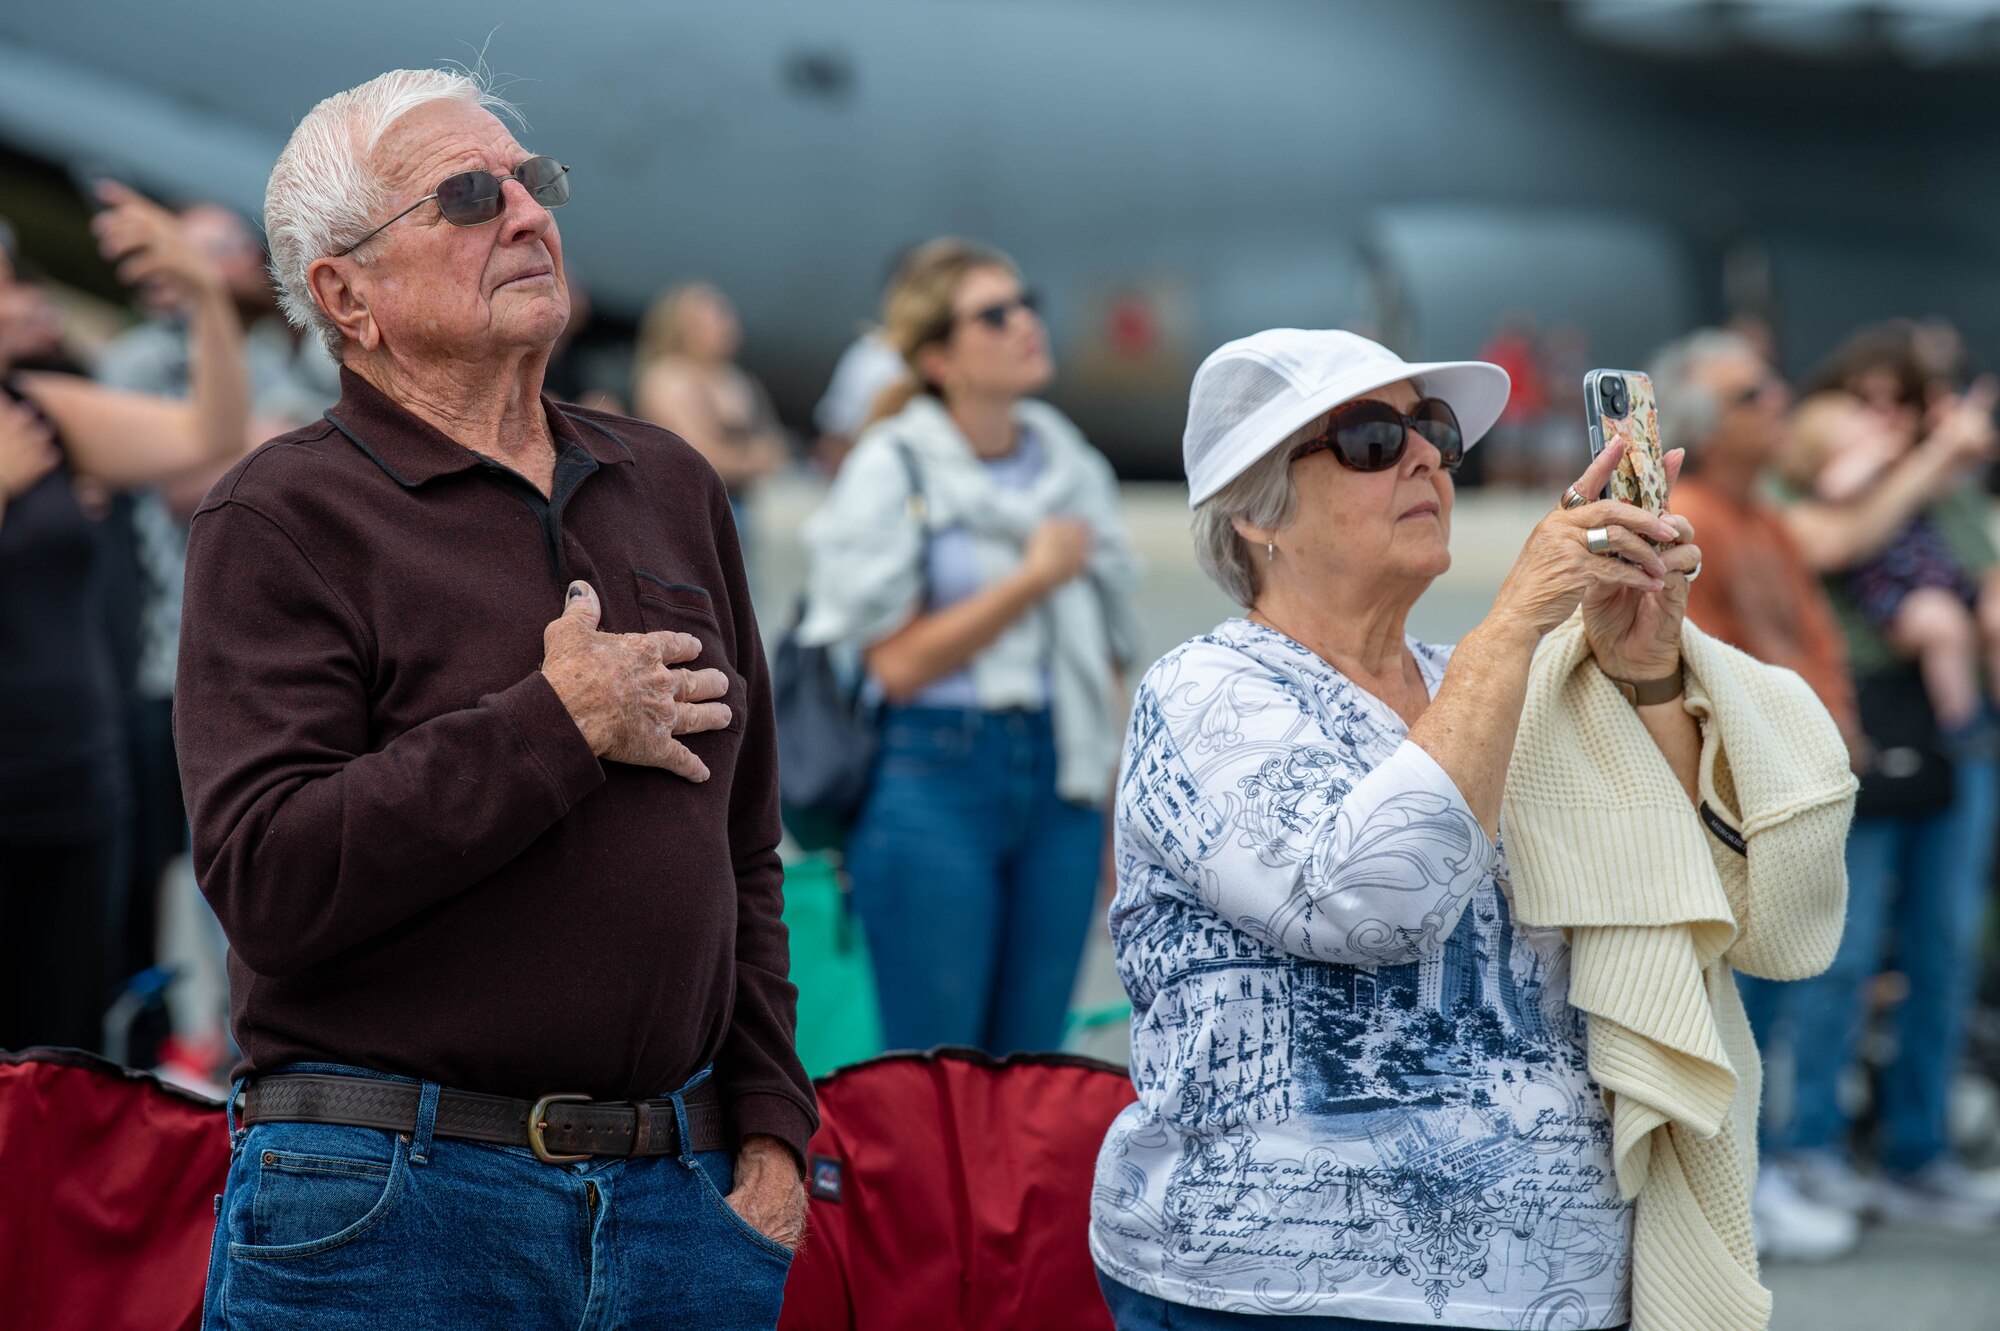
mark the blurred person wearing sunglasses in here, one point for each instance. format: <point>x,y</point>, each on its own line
<point>1363,1095</point>
<point>475,732</point>
<point>972,551</point>
<point>685,378</point>
<point>63,790</point>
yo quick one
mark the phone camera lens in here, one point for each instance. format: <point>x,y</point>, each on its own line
<point>1611,391</point>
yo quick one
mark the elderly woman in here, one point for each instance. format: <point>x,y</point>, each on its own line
<point>500,883</point>
<point>1363,1092</point>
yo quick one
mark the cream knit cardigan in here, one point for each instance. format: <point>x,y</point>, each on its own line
<point>1601,841</point>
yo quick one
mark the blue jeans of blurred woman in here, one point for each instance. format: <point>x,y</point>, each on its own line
<point>1922,879</point>
<point>975,882</point>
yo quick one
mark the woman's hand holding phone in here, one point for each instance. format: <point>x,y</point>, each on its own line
<point>1634,633</point>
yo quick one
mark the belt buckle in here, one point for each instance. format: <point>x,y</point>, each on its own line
<point>537,1123</point>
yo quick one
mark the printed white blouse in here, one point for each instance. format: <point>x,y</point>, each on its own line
<point>1362,1091</point>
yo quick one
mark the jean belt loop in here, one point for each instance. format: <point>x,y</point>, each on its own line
<point>427,1117</point>
<point>679,1099</point>
<point>236,1129</point>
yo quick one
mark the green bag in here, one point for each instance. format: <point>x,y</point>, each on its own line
<point>838,1020</point>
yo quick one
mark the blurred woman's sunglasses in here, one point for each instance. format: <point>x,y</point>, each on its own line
<point>1371,436</point>
<point>472,198</point>
<point>996,315</point>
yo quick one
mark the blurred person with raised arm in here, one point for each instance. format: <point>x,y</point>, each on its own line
<point>1373,893</point>
<point>62,780</point>
<point>972,551</point>
<point>476,736</point>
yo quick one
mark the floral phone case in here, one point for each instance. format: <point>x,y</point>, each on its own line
<point>1641,477</point>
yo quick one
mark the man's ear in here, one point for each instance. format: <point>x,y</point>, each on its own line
<point>335,290</point>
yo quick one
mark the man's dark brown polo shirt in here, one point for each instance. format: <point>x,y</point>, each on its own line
<point>421,867</point>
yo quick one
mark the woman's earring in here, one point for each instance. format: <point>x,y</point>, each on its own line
<point>1270,552</point>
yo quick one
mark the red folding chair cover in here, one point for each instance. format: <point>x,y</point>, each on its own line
<point>951,1191</point>
<point>107,1186</point>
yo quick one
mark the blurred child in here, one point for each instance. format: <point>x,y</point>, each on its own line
<point>1916,593</point>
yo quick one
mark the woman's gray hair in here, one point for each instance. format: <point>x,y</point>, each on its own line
<point>1263,496</point>
<point>1689,412</point>
<point>323,194</point>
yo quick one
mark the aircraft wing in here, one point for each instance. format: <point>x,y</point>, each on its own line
<point>63,112</point>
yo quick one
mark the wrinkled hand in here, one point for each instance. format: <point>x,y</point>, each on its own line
<point>1635,632</point>
<point>769,1194</point>
<point>27,451</point>
<point>150,247</point>
<point>1555,569</point>
<point>622,693</point>
<point>1057,551</point>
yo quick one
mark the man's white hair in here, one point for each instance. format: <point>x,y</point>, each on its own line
<point>323,195</point>
<point>1689,412</point>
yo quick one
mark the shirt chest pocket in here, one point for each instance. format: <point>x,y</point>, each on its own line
<point>678,607</point>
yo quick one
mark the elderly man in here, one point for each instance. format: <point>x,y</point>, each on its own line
<point>1721,402</point>
<point>476,733</point>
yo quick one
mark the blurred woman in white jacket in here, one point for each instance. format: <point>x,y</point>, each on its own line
<point>973,553</point>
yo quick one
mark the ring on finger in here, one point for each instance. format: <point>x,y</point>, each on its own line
<point>1598,540</point>
<point>1694,572</point>
<point>1571,499</point>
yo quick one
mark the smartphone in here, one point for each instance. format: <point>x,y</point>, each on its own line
<point>1619,406</point>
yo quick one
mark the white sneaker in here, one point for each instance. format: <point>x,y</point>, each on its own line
<point>1943,1193</point>
<point>1790,1227</point>
<point>1829,1178</point>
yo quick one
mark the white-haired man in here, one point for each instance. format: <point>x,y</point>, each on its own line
<point>476,734</point>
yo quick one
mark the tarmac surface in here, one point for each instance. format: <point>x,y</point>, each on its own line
<point>1900,1279</point>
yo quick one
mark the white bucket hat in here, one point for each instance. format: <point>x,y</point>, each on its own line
<point>1251,393</point>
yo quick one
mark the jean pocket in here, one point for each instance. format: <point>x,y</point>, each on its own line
<point>315,1188</point>
<point>743,1228</point>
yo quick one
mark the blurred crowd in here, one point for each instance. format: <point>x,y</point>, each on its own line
<point>1844,519</point>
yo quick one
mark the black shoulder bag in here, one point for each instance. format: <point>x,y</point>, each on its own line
<point>827,731</point>
<point>1912,773</point>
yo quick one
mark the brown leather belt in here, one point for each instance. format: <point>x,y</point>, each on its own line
<point>556,1127</point>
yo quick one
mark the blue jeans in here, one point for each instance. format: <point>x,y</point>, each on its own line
<point>1926,876</point>
<point>339,1228</point>
<point>975,883</point>
<point>1133,1311</point>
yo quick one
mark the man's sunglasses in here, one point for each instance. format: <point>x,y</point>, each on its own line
<point>1370,436</point>
<point>471,198</point>
<point>996,315</point>
<point>1756,392</point>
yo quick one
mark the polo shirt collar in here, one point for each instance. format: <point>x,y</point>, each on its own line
<point>412,451</point>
